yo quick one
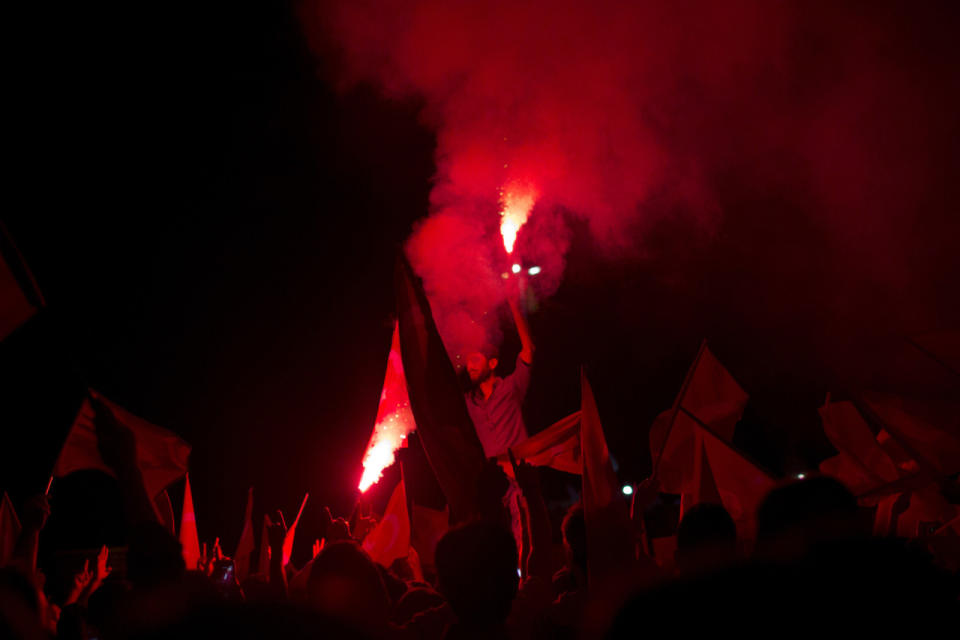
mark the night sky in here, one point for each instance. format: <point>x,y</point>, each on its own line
<point>214,227</point>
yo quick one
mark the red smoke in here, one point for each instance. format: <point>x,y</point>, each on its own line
<point>628,114</point>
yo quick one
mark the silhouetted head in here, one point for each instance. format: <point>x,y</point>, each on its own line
<point>706,538</point>
<point>345,584</point>
<point>154,556</point>
<point>477,571</point>
<point>808,511</point>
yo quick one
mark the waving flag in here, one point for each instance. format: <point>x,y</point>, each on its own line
<point>161,454</point>
<point>390,539</point>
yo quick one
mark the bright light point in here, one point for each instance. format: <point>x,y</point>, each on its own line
<point>515,268</point>
<point>519,575</point>
<point>516,201</point>
<point>627,490</point>
<point>394,419</point>
<point>801,476</point>
<point>533,270</point>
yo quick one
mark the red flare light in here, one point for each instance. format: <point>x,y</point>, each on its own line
<point>394,419</point>
<point>516,201</point>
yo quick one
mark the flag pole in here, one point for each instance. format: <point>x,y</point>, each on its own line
<point>676,404</point>
<point>49,484</point>
<point>932,356</point>
<point>302,505</point>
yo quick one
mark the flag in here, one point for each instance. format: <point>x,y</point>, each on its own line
<point>189,541</point>
<point>292,532</point>
<point>710,393</point>
<point>610,548</point>
<point>927,429</point>
<point>394,419</point>
<point>703,487</point>
<point>263,562</point>
<point>9,530</point>
<point>241,557</point>
<point>446,431</point>
<point>161,454</point>
<point>742,485</point>
<point>19,296</point>
<point>557,447</point>
<point>390,539</point>
<point>862,464</point>
<point>164,509</point>
<point>427,527</point>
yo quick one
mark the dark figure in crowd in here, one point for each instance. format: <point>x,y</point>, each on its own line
<point>477,574</point>
<point>706,539</point>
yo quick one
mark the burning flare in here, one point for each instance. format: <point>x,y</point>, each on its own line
<point>516,201</point>
<point>394,419</point>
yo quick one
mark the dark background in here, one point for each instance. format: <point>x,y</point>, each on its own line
<point>214,229</point>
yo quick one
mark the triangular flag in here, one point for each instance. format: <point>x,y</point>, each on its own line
<point>390,539</point>
<point>557,447</point>
<point>9,530</point>
<point>161,454</point>
<point>263,561</point>
<point>292,532</point>
<point>189,540</point>
<point>241,558</point>
<point>394,419</point>
<point>610,545</point>
<point>443,423</point>
<point>713,395</point>
<point>741,483</point>
<point>19,296</point>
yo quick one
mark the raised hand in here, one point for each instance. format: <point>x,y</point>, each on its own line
<point>339,529</point>
<point>364,526</point>
<point>317,548</point>
<point>80,582</point>
<point>102,569</point>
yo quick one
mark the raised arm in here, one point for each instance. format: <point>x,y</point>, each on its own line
<point>523,329</point>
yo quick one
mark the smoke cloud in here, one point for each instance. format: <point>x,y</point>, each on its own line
<point>624,116</point>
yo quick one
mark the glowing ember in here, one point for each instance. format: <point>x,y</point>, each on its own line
<point>516,201</point>
<point>394,419</point>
